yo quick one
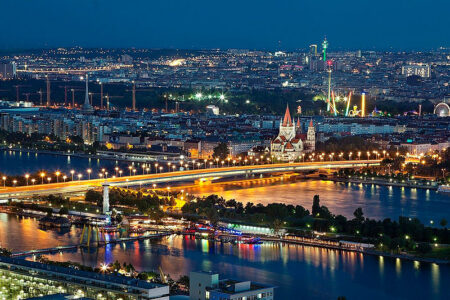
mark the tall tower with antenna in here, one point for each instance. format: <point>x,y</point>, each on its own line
<point>87,107</point>
<point>324,49</point>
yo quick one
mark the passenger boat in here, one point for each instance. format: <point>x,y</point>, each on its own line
<point>444,189</point>
<point>250,240</point>
<point>109,229</point>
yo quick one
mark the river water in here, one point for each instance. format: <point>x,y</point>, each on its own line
<point>21,162</point>
<point>300,272</point>
<point>377,201</point>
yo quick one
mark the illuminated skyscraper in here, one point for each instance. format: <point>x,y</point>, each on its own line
<point>313,49</point>
<point>324,49</point>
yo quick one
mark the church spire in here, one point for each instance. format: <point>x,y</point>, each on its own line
<point>287,121</point>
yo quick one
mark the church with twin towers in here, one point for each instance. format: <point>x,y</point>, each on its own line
<point>291,142</point>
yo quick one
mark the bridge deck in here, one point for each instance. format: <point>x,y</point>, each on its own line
<point>83,185</point>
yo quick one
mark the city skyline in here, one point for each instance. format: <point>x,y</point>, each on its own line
<point>202,25</point>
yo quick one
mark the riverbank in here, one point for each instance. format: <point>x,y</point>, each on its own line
<point>363,251</point>
<point>384,183</point>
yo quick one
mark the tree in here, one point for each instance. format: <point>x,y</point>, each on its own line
<point>423,248</point>
<point>316,206</point>
<point>359,215</point>
<point>443,222</point>
<point>212,215</point>
<point>49,211</point>
<point>221,151</point>
<point>184,281</point>
<point>276,226</point>
<point>94,197</point>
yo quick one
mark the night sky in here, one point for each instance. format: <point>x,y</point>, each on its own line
<point>255,24</point>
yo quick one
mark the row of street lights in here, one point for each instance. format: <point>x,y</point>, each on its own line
<point>205,163</point>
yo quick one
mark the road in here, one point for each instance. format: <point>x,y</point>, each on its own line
<point>167,177</point>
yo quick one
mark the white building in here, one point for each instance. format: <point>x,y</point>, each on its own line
<point>422,70</point>
<point>290,142</point>
<point>207,286</point>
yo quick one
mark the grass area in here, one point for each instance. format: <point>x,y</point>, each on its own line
<point>442,253</point>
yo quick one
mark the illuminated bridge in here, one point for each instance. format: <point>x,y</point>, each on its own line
<point>187,175</point>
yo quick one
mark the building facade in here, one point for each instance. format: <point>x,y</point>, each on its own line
<point>291,143</point>
<point>207,286</point>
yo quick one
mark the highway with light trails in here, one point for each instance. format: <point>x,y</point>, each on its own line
<point>167,177</point>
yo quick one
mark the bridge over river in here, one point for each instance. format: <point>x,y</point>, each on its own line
<point>185,175</point>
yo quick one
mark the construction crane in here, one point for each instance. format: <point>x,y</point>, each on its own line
<point>40,92</point>
<point>27,95</point>
<point>133,95</point>
<point>101,95</point>
<point>90,97</point>
<point>107,97</point>
<point>48,91</point>
<point>18,86</point>
<point>73,90</point>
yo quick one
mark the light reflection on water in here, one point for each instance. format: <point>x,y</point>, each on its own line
<point>313,273</point>
<point>319,273</point>
<point>377,201</point>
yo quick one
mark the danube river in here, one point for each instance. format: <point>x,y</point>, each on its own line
<point>21,162</point>
<point>377,201</point>
<point>300,272</point>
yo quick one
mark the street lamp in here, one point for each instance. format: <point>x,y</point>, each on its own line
<point>120,173</point>
<point>89,173</point>
<point>26,177</point>
<point>42,177</point>
<point>4,181</point>
<point>130,168</point>
<point>32,181</point>
<point>72,172</point>
<point>64,178</point>
<point>79,177</point>
<point>14,182</point>
<point>49,179</point>
<point>57,176</point>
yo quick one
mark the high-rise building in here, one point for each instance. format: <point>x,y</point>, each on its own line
<point>7,70</point>
<point>313,50</point>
